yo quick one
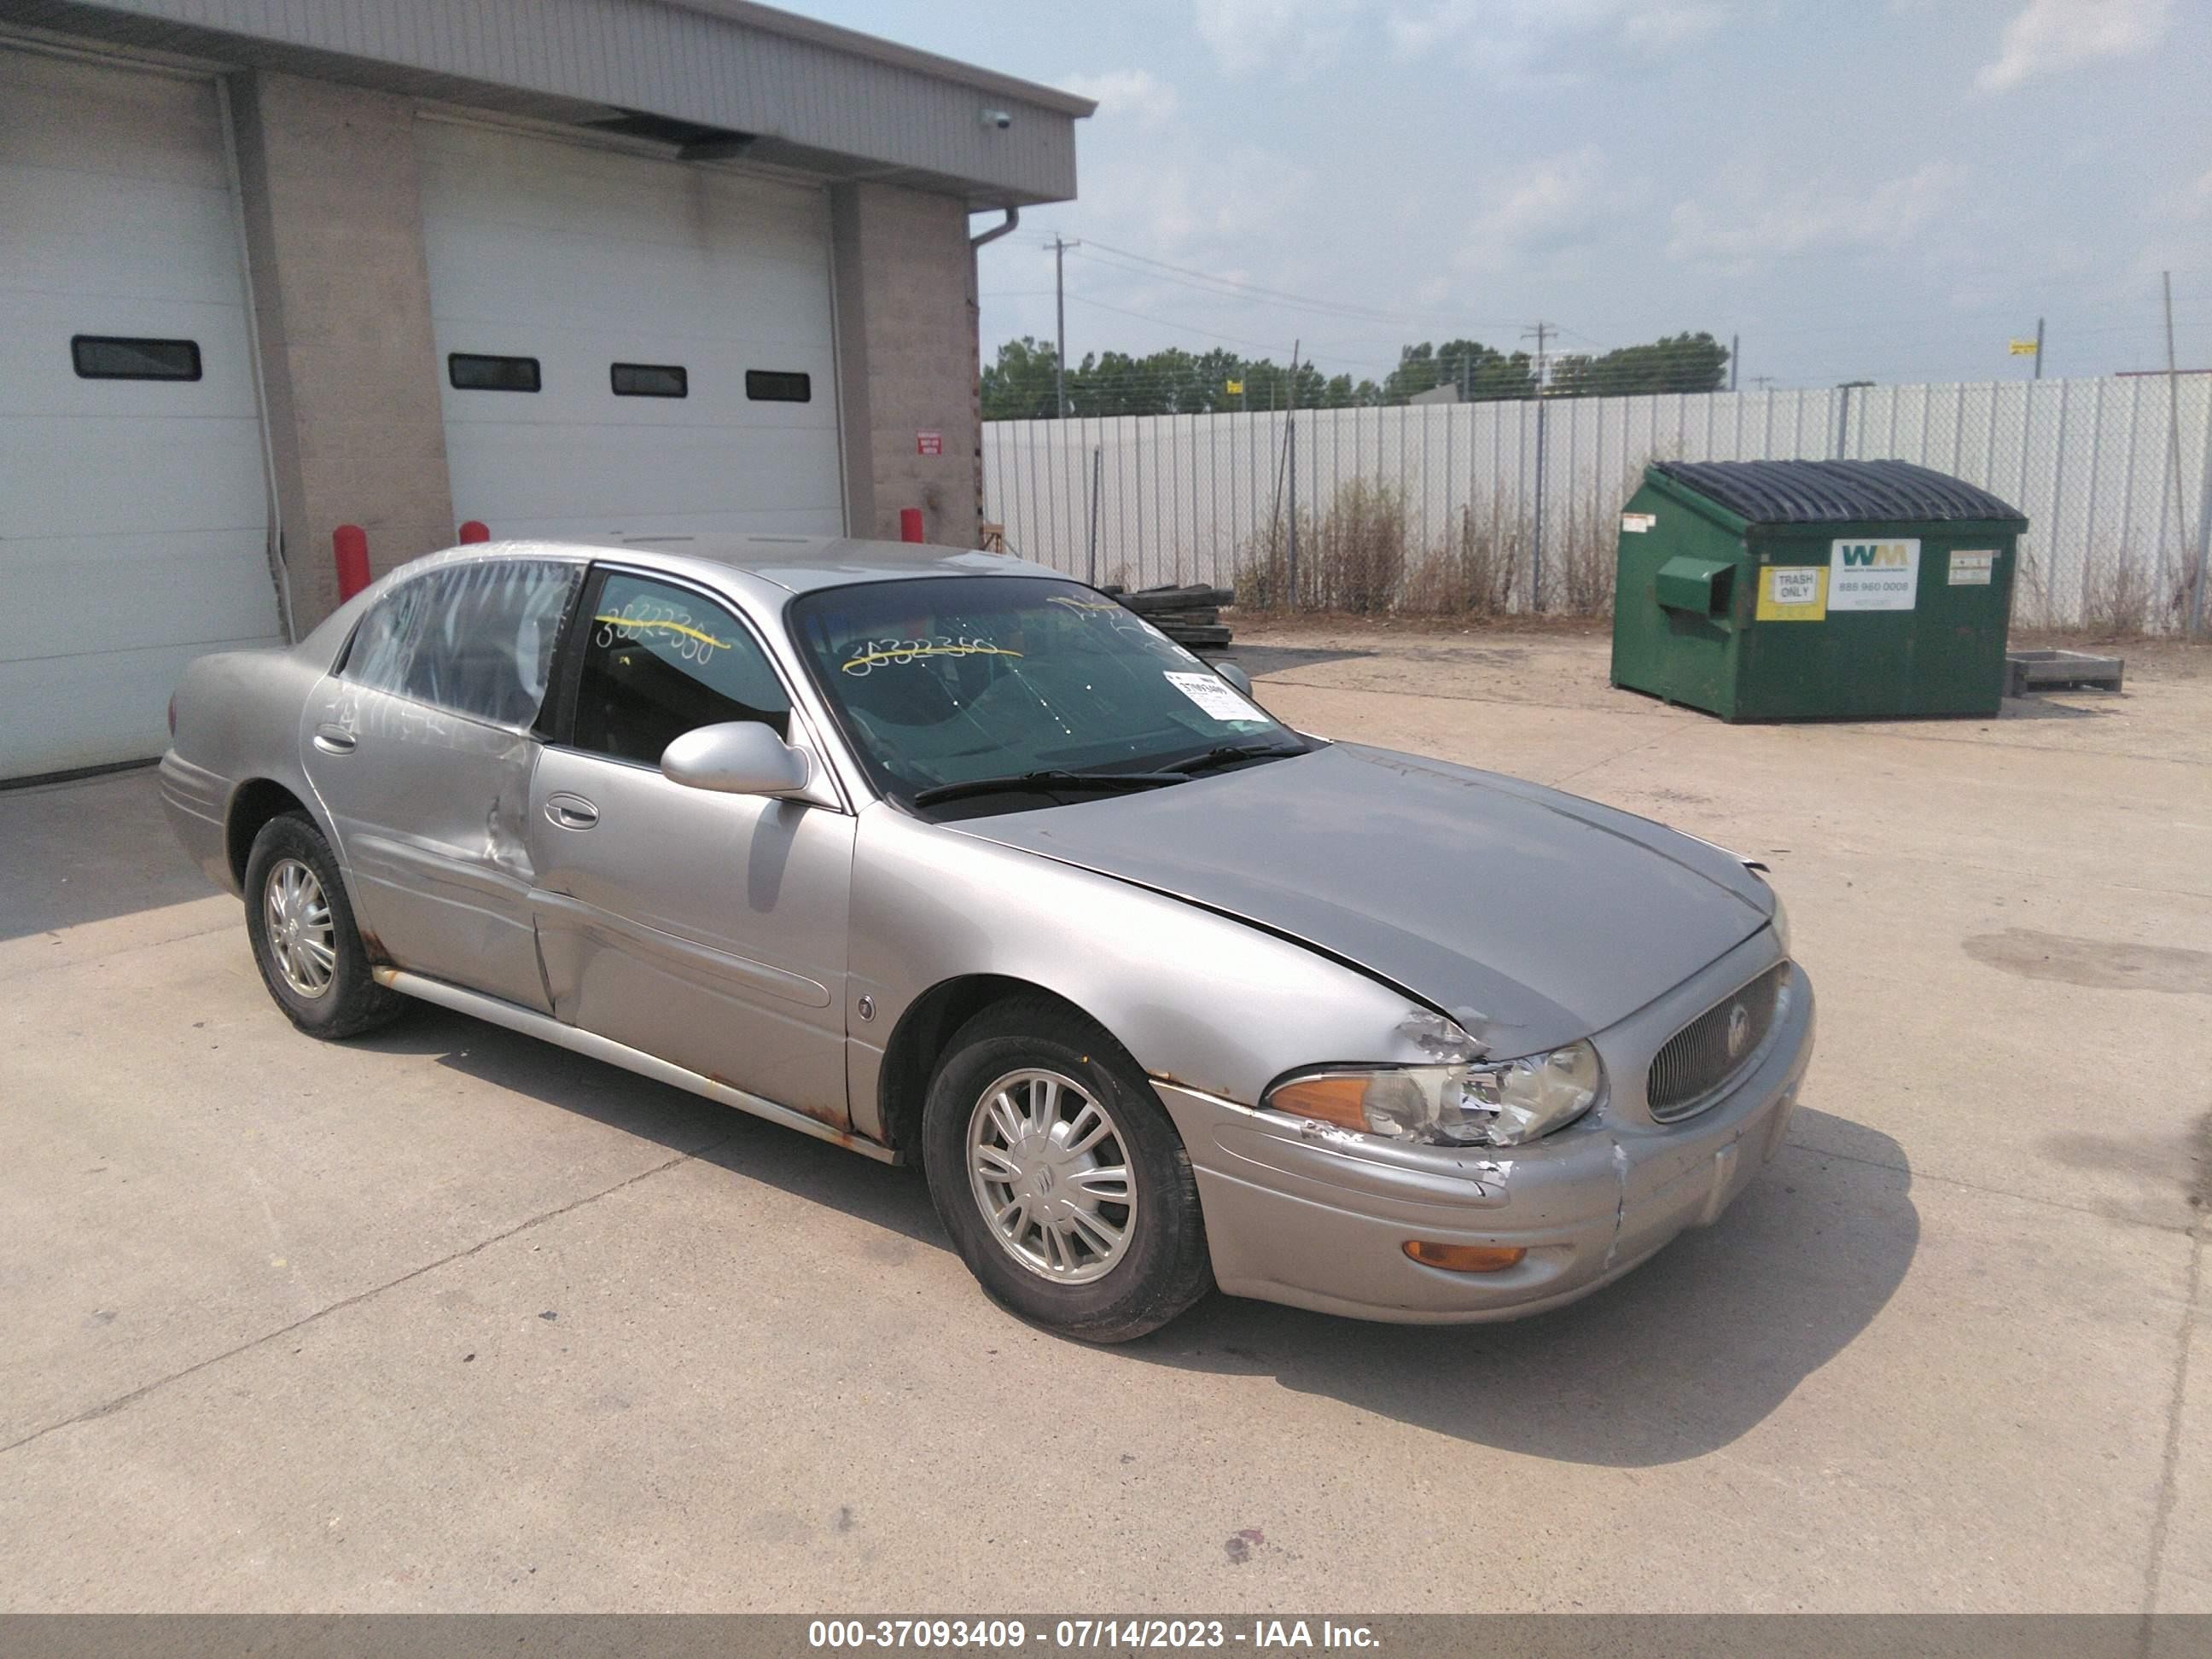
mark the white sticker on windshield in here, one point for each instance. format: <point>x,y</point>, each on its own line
<point>1214,695</point>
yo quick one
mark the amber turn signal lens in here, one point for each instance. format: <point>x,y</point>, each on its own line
<point>1329,1099</point>
<point>1465,1258</point>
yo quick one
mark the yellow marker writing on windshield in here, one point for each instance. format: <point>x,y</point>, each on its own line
<point>907,652</point>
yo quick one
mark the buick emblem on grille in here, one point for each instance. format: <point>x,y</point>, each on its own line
<point>1739,1030</point>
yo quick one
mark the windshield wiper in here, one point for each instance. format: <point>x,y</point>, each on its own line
<point>1043,783</point>
<point>1229,754</point>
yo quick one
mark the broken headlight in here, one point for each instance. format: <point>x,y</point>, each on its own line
<point>1495,1103</point>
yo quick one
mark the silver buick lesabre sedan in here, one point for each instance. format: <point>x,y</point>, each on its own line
<point>941,855</point>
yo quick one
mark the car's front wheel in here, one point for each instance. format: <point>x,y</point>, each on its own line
<point>1063,1183</point>
<point>304,938</point>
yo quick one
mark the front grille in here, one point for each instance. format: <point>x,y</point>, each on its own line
<point>1699,1058</point>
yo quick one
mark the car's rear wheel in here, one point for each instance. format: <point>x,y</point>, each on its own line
<point>1063,1183</point>
<point>304,938</point>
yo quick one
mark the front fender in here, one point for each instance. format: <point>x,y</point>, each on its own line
<point>1197,999</point>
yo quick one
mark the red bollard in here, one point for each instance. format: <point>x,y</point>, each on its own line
<point>910,523</point>
<point>350,542</point>
<point>476,530</point>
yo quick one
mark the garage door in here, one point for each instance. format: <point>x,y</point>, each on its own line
<point>133,515</point>
<point>626,345</point>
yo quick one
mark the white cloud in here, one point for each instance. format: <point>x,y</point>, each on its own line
<point>1137,94</point>
<point>1292,37</point>
<point>1662,29</point>
<point>1808,220</point>
<point>1549,201</point>
<point>2054,34</point>
<point>1515,35</point>
<point>2196,197</point>
<point>1295,37</point>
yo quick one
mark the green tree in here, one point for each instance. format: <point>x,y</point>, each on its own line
<point>1018,386</point>
<point>1678,362</point>
<point>1481,374</point>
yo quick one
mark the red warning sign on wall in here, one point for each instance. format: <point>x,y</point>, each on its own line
<point>929,443</point>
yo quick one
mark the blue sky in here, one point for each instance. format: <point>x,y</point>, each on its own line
<point>1878,188</point>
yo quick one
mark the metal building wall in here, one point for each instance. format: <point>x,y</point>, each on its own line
<point>713,62</point>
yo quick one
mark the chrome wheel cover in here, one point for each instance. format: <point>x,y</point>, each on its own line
<point>295,919</point>
<point>1051,1173</point>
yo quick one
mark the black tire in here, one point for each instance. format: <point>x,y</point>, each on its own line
<point>351,1002</point>
<point>1162,1267</point>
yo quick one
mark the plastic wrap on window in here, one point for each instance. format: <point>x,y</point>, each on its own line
<point>479,637</point>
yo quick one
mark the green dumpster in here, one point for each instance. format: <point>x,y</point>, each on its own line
<point>1815,590</point>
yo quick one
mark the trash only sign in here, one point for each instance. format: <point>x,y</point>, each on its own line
<point>1792,593</point>
<point>1872,575</point>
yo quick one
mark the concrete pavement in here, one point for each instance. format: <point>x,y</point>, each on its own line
<point>448,1320</point>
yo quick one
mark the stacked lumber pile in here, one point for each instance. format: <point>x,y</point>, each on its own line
<point>1191,616</point>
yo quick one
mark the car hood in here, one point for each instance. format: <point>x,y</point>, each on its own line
<point>1530,916</point>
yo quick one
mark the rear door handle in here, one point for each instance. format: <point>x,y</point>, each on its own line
<point>334,740</point>
<point>571,811</point>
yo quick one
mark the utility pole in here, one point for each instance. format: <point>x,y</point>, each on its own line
<point>1543,332</point>
<point>1732,357</point>
<point>2174,434</point>
<point>2038,337</point>
<point>1059,247</point>
<point>1762,382</point>
<point>1290,456</point>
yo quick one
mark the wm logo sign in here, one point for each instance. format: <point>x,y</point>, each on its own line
<point>1876,555</point>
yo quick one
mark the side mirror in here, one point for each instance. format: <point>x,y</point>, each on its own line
<point>1236,676</point>
<point>737,757</point>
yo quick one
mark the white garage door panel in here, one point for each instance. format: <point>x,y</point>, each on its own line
<point>90,710</point>
<point>136,526</point>
<point>130,593</point>
<point>95,229</point>
<point>547,477</point>
<point>95,118</point>
<point>88,482</point>
<point>582,259</point>
<point>38,380</point>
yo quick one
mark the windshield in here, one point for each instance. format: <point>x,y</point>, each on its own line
<point>943,680</point>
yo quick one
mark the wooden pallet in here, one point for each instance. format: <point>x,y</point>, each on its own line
<point>2027,672</point>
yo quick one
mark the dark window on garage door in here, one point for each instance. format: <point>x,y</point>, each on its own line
<point>779,385</point>
<point>650,380</point>
<point>117,357</point>
<point>472,372</point>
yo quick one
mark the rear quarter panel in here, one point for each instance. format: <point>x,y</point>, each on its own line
<point>238,721</point>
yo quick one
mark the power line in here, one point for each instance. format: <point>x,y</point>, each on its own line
<point>1372,312</point>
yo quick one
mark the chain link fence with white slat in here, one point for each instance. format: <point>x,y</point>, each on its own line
<point>1472,507</point>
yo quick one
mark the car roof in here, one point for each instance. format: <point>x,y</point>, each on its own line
<point>799,564</point>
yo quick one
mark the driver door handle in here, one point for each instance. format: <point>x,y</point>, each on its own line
<point>570,812</point>
<point>334,740</point>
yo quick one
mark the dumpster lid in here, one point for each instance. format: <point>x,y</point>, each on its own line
<point>1835,492</point>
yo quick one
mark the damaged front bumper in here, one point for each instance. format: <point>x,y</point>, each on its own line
<point>1319,1218</point>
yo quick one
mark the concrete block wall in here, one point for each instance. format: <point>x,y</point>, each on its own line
<point>342,297</point>
<point>906,330</point>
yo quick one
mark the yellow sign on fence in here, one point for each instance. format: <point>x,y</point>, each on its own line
<point>2023,348</point>
<point>1235,387</point>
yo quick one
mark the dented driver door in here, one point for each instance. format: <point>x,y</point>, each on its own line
<point>421,749</point>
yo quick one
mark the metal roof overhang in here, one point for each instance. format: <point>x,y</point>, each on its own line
<point>781,90</point>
